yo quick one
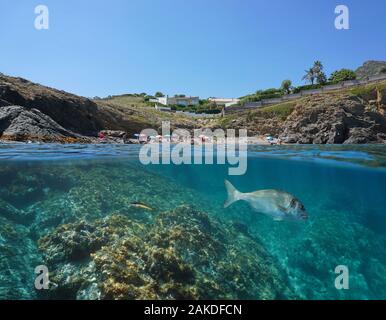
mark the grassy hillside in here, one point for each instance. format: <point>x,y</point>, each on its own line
<point>129,113</point>
<point>134,108</point>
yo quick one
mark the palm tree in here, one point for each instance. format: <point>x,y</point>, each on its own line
<point>315,73</point>
<point>310,75</point>
<point>318,67</point>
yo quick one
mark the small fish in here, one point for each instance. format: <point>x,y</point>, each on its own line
<point>142,205</point>
<point>276,204</point>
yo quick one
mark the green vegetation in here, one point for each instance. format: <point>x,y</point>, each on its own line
<point>262,94</point>
<point>203,107</point>
<point>321,78</point>
<point>383,70</point>
<point>129,100</point>
<point>315,73</point>
<point>286,86</point>
<point>308,87</point>
<point>342,75</point>
<point>368,91</point>
<point>309,76</point>
<point>282,110</point>
<point>315,76</point>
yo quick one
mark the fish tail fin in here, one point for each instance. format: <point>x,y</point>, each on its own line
<point>233,194</point>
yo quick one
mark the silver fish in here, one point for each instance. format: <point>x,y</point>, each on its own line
<point>276,204</point>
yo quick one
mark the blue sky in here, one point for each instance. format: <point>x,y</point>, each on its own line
<point>223,48</point>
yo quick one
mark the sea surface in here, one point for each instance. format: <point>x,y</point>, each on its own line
<point>58,204</point>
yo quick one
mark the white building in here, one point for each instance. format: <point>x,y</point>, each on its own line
<point>180,101</point>
<point>226,102</point>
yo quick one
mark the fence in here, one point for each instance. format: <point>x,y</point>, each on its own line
<point>290,97</point>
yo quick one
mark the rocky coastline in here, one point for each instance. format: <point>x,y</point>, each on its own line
<point>30,112</point>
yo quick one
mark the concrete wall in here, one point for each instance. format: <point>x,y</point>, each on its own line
<point>378,77</point>
<point>294,96</point>
<point>271,101</point>
<point>290,97</point>
<point>256,104</point>
<point>350,83</point>
<point>311,92</point>
<point>199,115</point>
<point>332,87</point>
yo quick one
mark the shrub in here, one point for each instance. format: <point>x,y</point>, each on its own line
<point>286,86</point>
<point>342,75</point>
<point>307,87</point>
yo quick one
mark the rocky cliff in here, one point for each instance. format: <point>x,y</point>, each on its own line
<point>370,68</point>
<point>20,124</point>
<point>334,120</point>
<point>69,111</point>
<point>79,115</point>
<point>354,115</point>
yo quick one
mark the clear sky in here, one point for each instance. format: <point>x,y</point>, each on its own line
<point>222,48</point>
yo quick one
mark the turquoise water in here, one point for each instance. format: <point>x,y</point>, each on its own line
<point>43,187</point>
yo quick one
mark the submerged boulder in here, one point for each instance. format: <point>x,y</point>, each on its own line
<point>182,254</point>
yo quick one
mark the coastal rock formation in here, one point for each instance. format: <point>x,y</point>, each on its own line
<point>370,68</point>
<point>352,116</point>
<point>18,258</point>
<point>20,124</point>
<point>72,112</point>
<point>183,254</point>
<point>81,115</point>
<point>334,120</point>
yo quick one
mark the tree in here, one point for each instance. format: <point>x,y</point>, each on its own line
<point>342,75</point>
<point>321,78</point>
<point>316,73</point>
<point>310,75</point>
<point>383,70</point>
<point>286,86</point>
<point>318,67</point>
<point>159,94</point>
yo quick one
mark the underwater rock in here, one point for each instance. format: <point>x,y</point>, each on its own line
<point>86,193</point>
<point>11,213</point>
<point>182,254</point>
<point>18,257</point>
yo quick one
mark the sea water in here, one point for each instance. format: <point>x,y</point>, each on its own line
<point>43,187</point>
